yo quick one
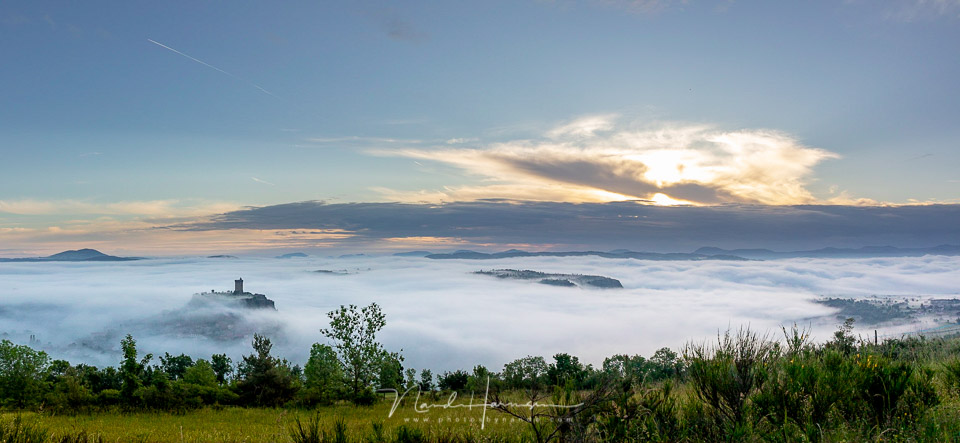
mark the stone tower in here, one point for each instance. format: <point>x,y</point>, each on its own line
<point>238,286</point>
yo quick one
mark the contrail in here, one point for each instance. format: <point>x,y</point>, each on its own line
<point>213,67</point>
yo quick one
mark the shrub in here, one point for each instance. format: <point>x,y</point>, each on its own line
<point>951,375</point>
<point>366,397</point>
<point>309,433</point>
<point>407,434</point>
<point>724,377</point>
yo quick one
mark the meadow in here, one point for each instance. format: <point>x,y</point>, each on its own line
<point>235,424</point>
<point>740,387</point>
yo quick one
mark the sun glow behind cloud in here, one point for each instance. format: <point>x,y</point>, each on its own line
<point>593,159</point>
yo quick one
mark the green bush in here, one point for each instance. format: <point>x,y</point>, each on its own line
<point>366,397</point>
<point>951,375</point>
<point>725,377</point>
<point>407,434</point>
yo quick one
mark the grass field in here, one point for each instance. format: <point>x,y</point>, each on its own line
<point>234,424</point>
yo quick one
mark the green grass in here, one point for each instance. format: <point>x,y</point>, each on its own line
<point>234,424</point>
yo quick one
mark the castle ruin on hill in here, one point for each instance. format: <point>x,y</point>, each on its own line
<point>237,298</point>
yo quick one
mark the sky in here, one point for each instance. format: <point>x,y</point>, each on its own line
<point>140,127</point>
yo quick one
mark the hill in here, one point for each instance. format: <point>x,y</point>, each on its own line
<point>864,252</point>
<point>619,253</point>
<point>73,255</point>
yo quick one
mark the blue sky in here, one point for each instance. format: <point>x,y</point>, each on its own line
<point>102,130</point>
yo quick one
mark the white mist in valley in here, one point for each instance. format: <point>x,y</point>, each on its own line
<point>441,314</point>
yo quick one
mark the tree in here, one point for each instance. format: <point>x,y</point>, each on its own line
<point>21,371</point>
<point>175,366</point>
<point>426,380</point>
<point>564,368</point>
<point>624,366</point>
<point>199,384</point>
<point>453,381</point>
<point>477,382</point>
<point>391,371</point>
<point>409,377</point>
<point>525,373</point>
<point>201,374</point>
<point>664,364</point>
<point>324,373</point>
<point>354,335</point>
<point>222,366</point>
<point>843,338</point>
<point>131,370</point>
<point>264,380</point>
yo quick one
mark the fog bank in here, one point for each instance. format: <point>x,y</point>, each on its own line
<point>439,313</point>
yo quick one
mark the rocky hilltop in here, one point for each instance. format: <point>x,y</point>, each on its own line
<point>245,300</point>
<point>238,298</point>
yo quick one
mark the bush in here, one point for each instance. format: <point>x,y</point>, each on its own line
<point>311,433</point>
<point>951,375</point>
<point>407,434</point>
<point>108,397</point>
<point>724,377</point>
<point>366,397</point>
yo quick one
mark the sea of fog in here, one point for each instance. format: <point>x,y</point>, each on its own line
<point>438,312</point>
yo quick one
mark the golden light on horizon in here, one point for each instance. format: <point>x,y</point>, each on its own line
<point>661,199</point>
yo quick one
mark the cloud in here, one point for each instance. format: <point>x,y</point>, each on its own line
<point>583,127</point>
<point>85,208</point>
<point>171,228</point>
<point>262,181</point>
<point>593,159</point>
<point>144,238</point>
<point>8,19</point>
<point>605,226</point>
<point>440,314</point>
<point>460,140</point>
<point>920,10</point>
<point>362,139</point>
<point>642,6</point>
<point>396,27</point>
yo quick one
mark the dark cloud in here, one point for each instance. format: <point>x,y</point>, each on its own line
<point>610,225</point>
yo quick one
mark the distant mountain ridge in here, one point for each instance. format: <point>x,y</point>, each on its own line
<point>619,253</point>
<point>293,255</point>
<point>413,254</point>
<point>87,255</point>
<point>864,252</point>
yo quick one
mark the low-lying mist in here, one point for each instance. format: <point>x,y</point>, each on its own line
<point>438,312</point>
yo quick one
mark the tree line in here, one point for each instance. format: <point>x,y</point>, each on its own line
<point>351,367</point>
<point>744,386</point>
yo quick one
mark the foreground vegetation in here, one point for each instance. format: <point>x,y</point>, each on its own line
<point>742,387</point>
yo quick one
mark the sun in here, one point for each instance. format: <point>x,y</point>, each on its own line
<point>661,199</point>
